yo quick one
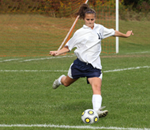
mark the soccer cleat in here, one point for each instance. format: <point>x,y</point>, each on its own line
<point>102,113</point>
<point>56,84</point>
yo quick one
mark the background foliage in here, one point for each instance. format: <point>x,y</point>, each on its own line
<point>129,10</point>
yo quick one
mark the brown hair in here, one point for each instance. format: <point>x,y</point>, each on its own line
<point>85,9</point>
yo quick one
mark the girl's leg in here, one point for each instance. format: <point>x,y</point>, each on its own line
<point>66,81</point>
<point>96,87</point>
<point>97,98</point>
<point>63,80</point>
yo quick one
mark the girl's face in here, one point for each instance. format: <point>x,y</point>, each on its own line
<point>89,20</point>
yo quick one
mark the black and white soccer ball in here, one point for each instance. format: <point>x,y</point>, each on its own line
<point>89,116</point>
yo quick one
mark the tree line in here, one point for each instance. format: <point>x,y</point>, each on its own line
<point>51,6</point>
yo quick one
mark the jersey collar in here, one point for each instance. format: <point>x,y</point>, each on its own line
<point>86,27</point>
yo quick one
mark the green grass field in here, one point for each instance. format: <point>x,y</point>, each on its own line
<point>26,92</point>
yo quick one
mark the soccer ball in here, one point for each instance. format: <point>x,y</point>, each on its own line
<point>89,116</point>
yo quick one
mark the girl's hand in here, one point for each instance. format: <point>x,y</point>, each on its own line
<point>59,52</point>
<point>129,33</point>
<point>54,53</point>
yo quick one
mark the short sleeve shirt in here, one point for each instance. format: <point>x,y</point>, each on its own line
<point>87,42</point>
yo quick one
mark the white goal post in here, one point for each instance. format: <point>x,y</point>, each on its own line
<point>117,25</point>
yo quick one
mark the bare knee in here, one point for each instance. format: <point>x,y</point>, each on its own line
<point>96,89</point>
<point>67,81</point>
<point>96,85</point>
<point>66,84</point>
<point>64,81</point>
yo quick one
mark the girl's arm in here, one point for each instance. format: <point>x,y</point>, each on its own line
<point>59,52</point>
<point>119,34</point>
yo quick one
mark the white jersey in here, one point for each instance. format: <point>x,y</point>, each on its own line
<point>88,43</point>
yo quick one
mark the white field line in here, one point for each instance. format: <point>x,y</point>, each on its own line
<point>34,59</point>
<point>46,58</point>
<point>139,52</point>
<point>131,68</point>
<point>33,70</point>
<point>69,127</point>
<point>7,60</point>
<point>106,71</point>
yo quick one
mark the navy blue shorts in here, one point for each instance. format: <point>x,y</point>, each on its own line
<point>81,69</point>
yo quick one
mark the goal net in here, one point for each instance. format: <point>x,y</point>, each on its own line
<point>35,27</point>
<point>106,15</point>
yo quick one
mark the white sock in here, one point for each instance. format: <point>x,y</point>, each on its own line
<point>97,101</point>
<point>59,79</point>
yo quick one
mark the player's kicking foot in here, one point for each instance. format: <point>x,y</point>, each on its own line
<point>56,84</point>
<point>102,113</point>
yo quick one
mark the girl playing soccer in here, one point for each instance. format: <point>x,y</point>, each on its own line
<point>87,41</point>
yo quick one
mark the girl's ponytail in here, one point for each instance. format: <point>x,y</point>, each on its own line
<point>85,9</point>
